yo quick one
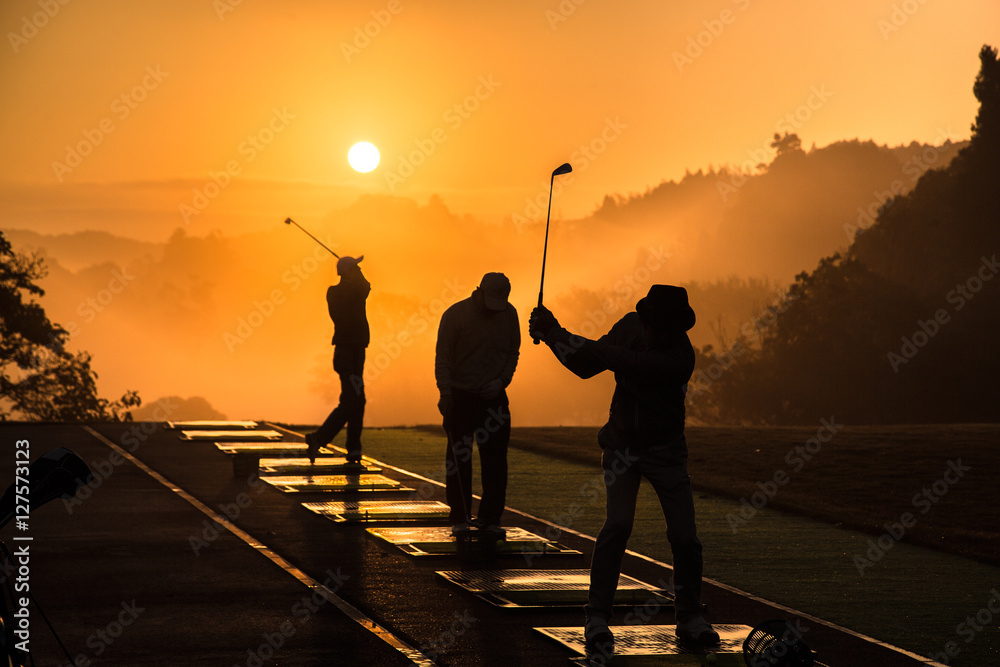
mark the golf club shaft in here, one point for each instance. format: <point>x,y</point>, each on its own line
<point>545,249</point>
<point>290,221</point>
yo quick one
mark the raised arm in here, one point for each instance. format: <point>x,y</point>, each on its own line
<point>569,349</point>
<point>676,361</point>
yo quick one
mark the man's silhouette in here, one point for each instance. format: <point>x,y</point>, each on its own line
<point>346,303</point>
<point>651,356</point>
<point>477,349</point>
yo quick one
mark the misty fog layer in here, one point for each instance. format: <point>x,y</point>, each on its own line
<point>240,319</point>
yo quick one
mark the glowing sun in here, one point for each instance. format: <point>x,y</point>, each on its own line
<point>363,157</point>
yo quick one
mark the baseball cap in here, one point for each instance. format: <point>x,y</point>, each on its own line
<point>345,264</point>
<point>496,289</point>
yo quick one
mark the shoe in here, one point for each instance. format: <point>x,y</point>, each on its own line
<point>459,528</point>
<point>697,631</point>
<point>495,530</point>
<point>312,447</point>
<point>476,523</point>
<point>597,637</point>
<point>354,459</point>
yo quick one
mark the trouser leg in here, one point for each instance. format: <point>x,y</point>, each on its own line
<point>458,460</point>
<point>348,362</point>
<point>352,396</point>
<point>673,488</point>
<point>622,485</point>
<point>493,436</point>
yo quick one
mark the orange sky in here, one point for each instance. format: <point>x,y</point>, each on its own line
<point>139,118</point>
<point>533,81</point>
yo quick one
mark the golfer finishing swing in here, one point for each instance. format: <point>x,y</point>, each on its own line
<point>651,356</point>
<point>346,304</point>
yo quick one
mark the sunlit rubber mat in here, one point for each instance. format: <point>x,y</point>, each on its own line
<point>323,465</point>
<point>641,645</point>
<point>438,541</point>
<point>235,434</point>
<point>551,588</point>
<point>322,482</point>
<point>361,511</point>
<point>268,449</point>
<point>212,424</point>
<point>246,455</point>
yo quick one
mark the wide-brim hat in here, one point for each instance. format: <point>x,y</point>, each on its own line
<point>666,308</point>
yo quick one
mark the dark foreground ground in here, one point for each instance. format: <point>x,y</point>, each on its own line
<point>138,573</point>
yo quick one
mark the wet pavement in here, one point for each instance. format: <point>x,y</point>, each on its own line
<point>138,570</point>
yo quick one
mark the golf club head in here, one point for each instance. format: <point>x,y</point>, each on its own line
<point>57,473</point>
<point>288,221</point>
<point>564,168</point>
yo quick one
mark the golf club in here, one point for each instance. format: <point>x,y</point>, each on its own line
<point>564,168</point>
<point>289,221</point>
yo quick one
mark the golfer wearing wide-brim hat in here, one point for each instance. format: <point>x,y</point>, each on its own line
<point>652,358</point>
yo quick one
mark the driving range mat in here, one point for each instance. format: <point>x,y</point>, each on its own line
<point>642,645</point>
<point>246,455</point>
<point>324,464</point>
<point>361,511</point>
<point>438,541</point>
<point>326,482</point>
<point>551,588</point>
<point>212,424</point>
<point>235,434</point>
<point>262,449</point>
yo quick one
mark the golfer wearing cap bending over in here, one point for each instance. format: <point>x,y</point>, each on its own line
<point>477,349</point>
<point>651,356</point>
<point>346,303</point>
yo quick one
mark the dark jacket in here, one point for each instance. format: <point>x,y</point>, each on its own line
<point>346,303</point>
<point>476,345</point>
<point>647,409</point>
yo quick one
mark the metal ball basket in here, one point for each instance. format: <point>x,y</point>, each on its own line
<point>776,643</point>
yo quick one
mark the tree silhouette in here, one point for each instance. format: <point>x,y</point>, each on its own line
<point>784,145</point>
<point>986,128</point>
<point>899,329</point>
<point>39,378</point>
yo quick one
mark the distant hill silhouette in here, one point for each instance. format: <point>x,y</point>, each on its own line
<point>899,328</point>
<point>241,320</point>
<point>83,249</point>
<point>785,215</point>
<point>175,408</point>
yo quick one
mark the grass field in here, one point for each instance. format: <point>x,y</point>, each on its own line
<point>799,549</point>
<point>861,478</point>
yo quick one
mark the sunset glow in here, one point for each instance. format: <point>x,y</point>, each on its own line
<point>179,136</point>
